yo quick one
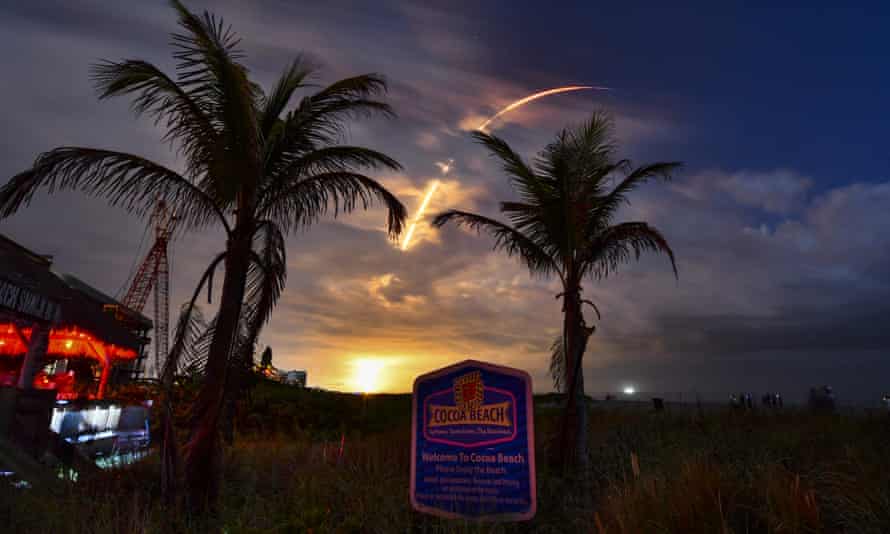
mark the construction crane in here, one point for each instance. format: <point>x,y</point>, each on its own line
<point>154,273</point>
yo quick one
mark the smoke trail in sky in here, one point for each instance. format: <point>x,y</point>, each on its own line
<point>541,94</point>
<point>446,166</point>
<point>419,215</point>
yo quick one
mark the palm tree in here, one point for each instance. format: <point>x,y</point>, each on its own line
<point>254,165</point>
<point>564,225</point>
<point>192,340</point>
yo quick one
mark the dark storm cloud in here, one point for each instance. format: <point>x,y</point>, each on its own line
<point>783,274</point>
<point>807,290</point>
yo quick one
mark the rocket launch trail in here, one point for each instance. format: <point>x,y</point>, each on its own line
<point>531,98</point>
<point>446,166</point>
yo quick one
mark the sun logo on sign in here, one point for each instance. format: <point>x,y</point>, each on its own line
<point>469,390</point>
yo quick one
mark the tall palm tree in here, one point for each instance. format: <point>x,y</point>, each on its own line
<point>193,337</point>
<point>564,225</point>
<point>254,165</point>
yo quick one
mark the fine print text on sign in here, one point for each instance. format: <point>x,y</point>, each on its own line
<point>472,445</point>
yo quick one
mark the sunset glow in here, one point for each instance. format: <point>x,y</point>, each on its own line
<point>367,375</point>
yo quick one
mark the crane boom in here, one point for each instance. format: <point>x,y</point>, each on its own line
<point>154,273</point>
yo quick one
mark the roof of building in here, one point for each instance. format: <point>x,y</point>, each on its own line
<point>30,271</point>
<point>101,298</point>
<point>80,305</point>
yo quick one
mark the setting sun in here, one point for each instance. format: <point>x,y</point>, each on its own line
<point>367,375</point>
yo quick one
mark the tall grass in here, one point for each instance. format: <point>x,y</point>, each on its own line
<point>772,472</point>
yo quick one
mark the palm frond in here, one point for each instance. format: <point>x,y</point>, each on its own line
<point>523,215</point>
<point>266,276</point>
<point>206,52</point>
<point>304,202</point>
<point>593,142</point>
<point>508,239</point>
<point>593,181</point>
<point>555,163</point>
<point>360,88</point>
<point>341,158</point>
<point>330,159</point>
<point>189,328</point>
<point>208,66</point>
<point>543,222</point>
<point>195,363</point>
<point>184,115</point>
<point>606,207</point>
<point>619,244</point>
<point>293,78</point>
<point>320,118</point>
<point>125,180</point>
<point>529,185</point>
<point>581,157</point>
<point>316,124</point>
<point>240,353</point>
<point>304,131</point>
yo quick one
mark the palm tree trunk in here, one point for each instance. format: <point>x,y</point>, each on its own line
<point>203,455</point>
<point>169,450</point>
<point>241,373</point>
<point>169,454</point>
<point>571,453</point>
<point>581,457</point>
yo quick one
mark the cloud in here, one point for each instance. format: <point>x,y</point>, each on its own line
<point>779,191</point>
<point>428,141</point>
<point>782,279</point>
<point>806,285</point>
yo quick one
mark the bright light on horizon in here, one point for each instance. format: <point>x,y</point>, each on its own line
<point>367,374</point>
<point>629,390</point>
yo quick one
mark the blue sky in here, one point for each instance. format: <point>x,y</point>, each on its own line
<point>778,219</point>
<point>758,87</point>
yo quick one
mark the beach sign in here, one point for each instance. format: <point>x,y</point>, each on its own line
<point>472,443</point>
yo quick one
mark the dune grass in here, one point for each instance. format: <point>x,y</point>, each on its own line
<point>787,472</point>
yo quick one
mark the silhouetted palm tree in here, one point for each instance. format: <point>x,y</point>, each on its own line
<point>254,165</point>
<point>564,225</point>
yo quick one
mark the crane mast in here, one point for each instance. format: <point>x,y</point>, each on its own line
<point>154,274</point>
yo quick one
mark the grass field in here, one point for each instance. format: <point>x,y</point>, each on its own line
<point>780,472</point>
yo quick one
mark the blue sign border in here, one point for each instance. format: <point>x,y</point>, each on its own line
<point>530,442</point>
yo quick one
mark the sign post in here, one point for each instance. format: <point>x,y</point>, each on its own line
<point>472,443</point>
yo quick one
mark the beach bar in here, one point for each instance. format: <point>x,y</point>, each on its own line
<point>57,333</point>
